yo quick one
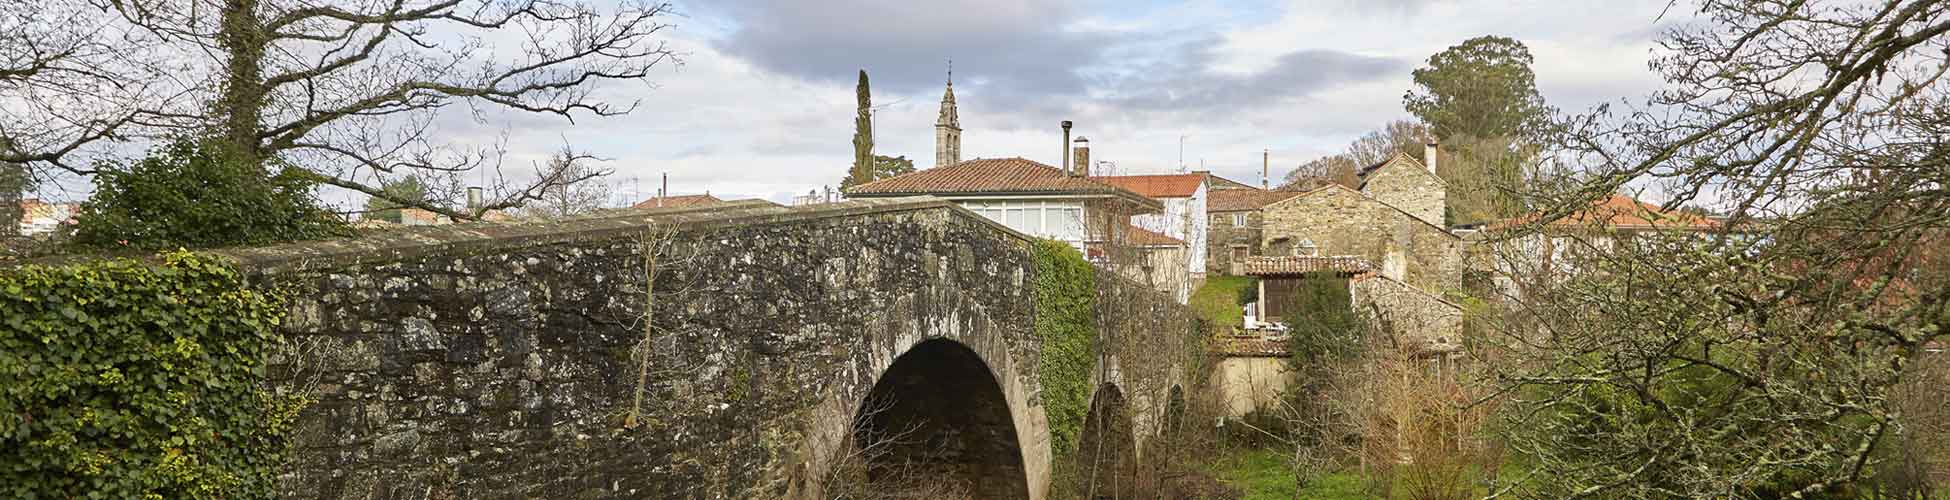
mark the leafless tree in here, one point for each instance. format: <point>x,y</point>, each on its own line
<point>348,90</point>
<point>1758,361</point>
<point>567,199</point>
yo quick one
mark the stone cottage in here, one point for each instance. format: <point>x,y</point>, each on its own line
<point>1395,220</point>
<point>1234,226</point>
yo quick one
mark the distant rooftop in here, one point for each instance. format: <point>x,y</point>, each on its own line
<point>1157,186</point>
<point>994,176</point>
<point>1621,212</point>
<point>688,200</point>
<point>1239,200</point>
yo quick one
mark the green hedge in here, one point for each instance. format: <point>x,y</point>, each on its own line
<point>126,379</point>
<point>1067,323</point>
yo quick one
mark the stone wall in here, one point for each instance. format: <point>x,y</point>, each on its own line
<point>1341,221</point>
<point>501,361</point>
<point>1415,317</point>
<point>1224,236</point>
<point>1409,185</point>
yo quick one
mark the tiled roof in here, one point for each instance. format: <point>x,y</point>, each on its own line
<point>1238,200</point>
<point>992,176</point>
<point>1148,238</point>
<point>1157,186</point>
<point>1218,183</point>
<point>689,200</point>
<point>1295,264</point>
<point>1621,212</point>
<point>1399,156</point>
<point>1251,346</point>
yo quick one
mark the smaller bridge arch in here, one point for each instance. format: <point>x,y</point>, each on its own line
<point>1107,446</point>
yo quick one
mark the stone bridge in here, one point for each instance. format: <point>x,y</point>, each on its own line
<point>533,361</point>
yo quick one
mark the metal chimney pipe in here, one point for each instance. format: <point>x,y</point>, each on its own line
<point>1265,156</point>
<point>1065,152</point>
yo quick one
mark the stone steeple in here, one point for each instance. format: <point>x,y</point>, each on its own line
<point>947,128</point>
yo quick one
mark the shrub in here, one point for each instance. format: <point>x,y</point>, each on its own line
<point>123,380</point>
<point>192,194</point>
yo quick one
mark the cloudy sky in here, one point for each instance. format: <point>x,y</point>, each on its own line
<point>762,105</point>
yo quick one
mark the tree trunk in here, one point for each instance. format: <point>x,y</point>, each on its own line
<point>241,103</point>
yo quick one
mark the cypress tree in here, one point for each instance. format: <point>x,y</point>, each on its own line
<point>863,132</point>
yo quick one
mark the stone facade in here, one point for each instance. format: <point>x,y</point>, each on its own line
<point>1341,221</point>
<point>1416,318</point>
<point>503,361</point>
<point>1227,240</point>
<point>1410,186</point>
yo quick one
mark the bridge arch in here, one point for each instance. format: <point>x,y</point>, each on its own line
<point>1107,447</point>
<point>937,422</point>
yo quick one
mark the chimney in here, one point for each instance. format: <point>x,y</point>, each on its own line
<point>663,191</point>
<point>1066,149</point>
<point>1083,156</point>
<point>1428,155</point>
<point>1265,156</point>
<point>473,197</point>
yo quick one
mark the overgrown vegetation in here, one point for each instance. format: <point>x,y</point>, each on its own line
<point>1218,302</point>
<point>123,379</point>
<point>1761,360</point>
<point>195,194</point>
<point>1066,321</point>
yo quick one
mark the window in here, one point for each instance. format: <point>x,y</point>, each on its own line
<point>1064,223</point>
<point>1239,219</point>
<point>1018,219</point>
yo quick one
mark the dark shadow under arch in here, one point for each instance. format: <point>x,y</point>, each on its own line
<point>937,423</point>
<point>1174,412</point>
<point>1105,450</point>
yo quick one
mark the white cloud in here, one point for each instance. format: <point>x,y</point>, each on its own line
<point>772,116</point>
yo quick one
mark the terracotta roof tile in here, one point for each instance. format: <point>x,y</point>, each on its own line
<point>1293,264</point>
<point>1157,186</point>
<point>1239,200</point>
<point>982,175</point>
<point>1621,212</point>
<point>688,200</point>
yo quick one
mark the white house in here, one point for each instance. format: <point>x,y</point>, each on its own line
<point>1184,215</point>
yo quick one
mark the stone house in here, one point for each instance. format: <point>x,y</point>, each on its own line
<point>1337,221</point>
<point>1426,322</point>
<point>1234,226</point>
<point>1252,369</point>
<point>1184,197</point>
<point>1409,185</point>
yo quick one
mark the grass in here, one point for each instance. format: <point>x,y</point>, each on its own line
<point>1263,474</point>
<point>1218,300</point>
